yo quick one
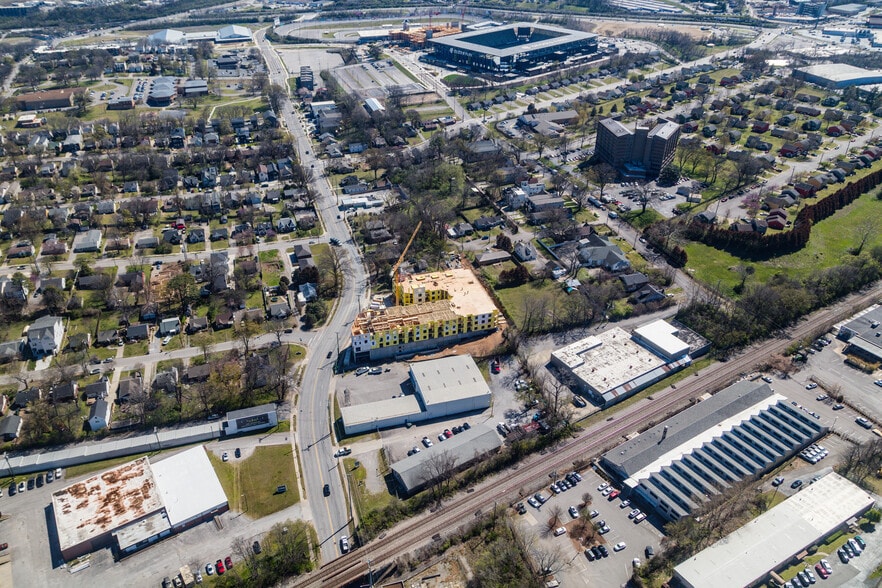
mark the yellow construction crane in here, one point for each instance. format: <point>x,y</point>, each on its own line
<point>400,259</point>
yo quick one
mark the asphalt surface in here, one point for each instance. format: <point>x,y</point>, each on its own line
<point>330,515</point>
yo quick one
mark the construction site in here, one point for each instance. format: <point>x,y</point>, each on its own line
<point>431,311</point>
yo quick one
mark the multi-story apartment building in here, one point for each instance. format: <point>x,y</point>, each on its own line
<point>641,153</point>
<point>434,310</point>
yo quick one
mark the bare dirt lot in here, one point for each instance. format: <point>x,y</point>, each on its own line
<point>615,29</point>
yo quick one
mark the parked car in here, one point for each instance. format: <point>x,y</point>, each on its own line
<point>560,531</point>
<point>209,569</point>
<point>619,546</point>
<point>344,544</point>
<point>219,567</point>
<point>778,481</point>
<point>574,512</point>
<point>796,484</point>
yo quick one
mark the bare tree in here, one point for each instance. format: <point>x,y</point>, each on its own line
<point>547,561</point>
<point>555,513</point>
<point>438,469</point>
<point>863,231</point>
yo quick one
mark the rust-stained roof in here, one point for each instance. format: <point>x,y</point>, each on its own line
<point>104,502</point>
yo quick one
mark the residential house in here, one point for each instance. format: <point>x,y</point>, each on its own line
<point>598,251</point>
<point>166,381</point>
<point>99,415</point>
<point>45,336</point>
<point>97,390</point>
<point>197,373</point>
<point>108,337</point>
<point>196,324</point>
<point>279,310</point>
<point>491,257</point>
<point>129,388</point>
<point>524,251</point>
<point>10,351</point>
<point>634,282</point>
<point>93,282</point>
<point>169,326</point>
<point>79,341</point>
<point>25,397</point>
<point>10,427</point>
<point>138,332</point>
<point>88,242</point>
<point>66,392</point>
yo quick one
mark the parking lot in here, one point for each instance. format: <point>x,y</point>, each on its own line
<point>394,380</point>
<point>28,518</point>
<point>574,567</point>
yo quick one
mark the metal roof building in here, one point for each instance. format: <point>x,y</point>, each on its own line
<point>442,388</point>
<point>136,504</point>
<point>414,472</point>
<point>613,365</point>
<point>770,541</point>
<point>741,431</point>
<point>864,333</point>
<point>838,75</point>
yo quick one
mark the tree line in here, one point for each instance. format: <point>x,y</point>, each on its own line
<point>756,246</point>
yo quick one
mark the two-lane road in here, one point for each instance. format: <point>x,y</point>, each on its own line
<point>314,412</point>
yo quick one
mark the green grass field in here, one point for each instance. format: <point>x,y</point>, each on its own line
<point>831,240</point>
<point>250,484</point>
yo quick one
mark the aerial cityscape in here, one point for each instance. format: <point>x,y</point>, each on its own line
<point>346,293</point>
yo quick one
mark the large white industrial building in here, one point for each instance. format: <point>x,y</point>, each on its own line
<point>613,365</point>
<point>741,431</point>
<point>771,541</point>
<point>442,388</point>
<point>136,504</point>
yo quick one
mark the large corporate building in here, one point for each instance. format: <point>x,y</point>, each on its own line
<point>136,504</point>
<point>434,310</point>
<point>613,365</point>
<point>641,153</point>
<point>519,48</point>
<point>442,388</point>
<point>838,75</point>
<point>742,431</point>
<point>772,540</point>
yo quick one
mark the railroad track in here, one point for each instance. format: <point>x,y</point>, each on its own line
<point>515,483</point>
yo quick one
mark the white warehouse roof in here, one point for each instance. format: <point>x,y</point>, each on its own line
<point>448,379</point>
<point>232,32</point>
<point>773,538</point>
<point>663,336</point>
<point>188,485</point>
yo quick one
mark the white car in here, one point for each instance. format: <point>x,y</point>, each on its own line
<point>225,456</point>
<point>574,512</point>
<point>602,487</point>
<point>560,531</point>
<point>166,340</point>
<point>344,544</point>
<point>619,546</point>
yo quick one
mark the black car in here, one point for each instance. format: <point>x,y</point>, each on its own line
<point>11,490</point>
<point>466,426</point>
<point>256,547</point>
<point>326,490</point>
<point>649,551</point>
<point>238,452</point>
<point>521,508</point>
<point>796,484</point>
<point>596,552</point>
<point>40,481</point>
<point>31,484</point>
<point>590,555</point>
<point>330,353</point>
<point>603,550</point>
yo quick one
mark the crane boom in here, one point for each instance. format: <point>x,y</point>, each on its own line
<point>400,259</point>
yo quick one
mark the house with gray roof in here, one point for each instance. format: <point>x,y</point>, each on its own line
<point>99,415</point>
<point>87,242</point>
<point>598,251</point>
<point>10,351</point>
<point>10,427</point>
<point>45,336</point>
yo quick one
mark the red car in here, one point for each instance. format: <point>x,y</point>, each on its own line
<point>821,571</point>
<point>229,562</point>
<point>614,494</point>
<point>219,567</point>
<point>494,367</point>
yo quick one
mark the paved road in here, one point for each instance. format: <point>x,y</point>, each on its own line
<point>316,443</point>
